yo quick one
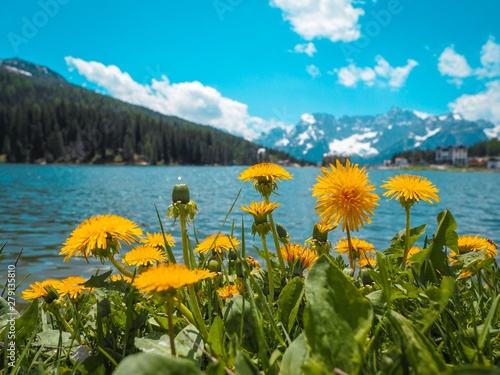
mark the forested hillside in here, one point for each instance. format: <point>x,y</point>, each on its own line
<point>44,118</point>
<point>486,148</point>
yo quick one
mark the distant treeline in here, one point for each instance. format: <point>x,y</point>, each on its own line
<point>487,148</point>
<point>48,119</point>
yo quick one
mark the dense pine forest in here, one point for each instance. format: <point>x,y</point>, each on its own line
<point>43,118</point>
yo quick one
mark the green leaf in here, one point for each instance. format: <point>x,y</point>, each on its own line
<point>185,346</point>
<point>296,355</point>
<point>472,370</point>
<point>50,338</point>
<point>243,365</point>
<point>289,302</point>
<point>216,338</point>
<point>422,355</point>
<point>98,281</point>
<point>26,323</point>
<point>444,236</point>
<point>6,313</point>
<point>384,278</point>
<point>398,242</point>
<point>438,299</point>
<point>153,364</point>
<point>216,368</point>
<point>492,314</point>
<point>234,314</point>
<point>337,318</point>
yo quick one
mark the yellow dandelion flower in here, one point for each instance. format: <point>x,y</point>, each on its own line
<point>169,277</point>
<point>465,274</point>
<point>252,262</point>
<point>156,240</point>
<point>144,256</point>
<point>71,286</point>
<point>265,176</point>
<point>467,244</point>
<point>359,247</point>
<point>228,291</point>
<point>98,234</point>
<point>120,277</point>
<point>410,189</point>
<point>414,250</point>
<point>39,289</point>
<point>217,243</point>
<point>345,196</point>
<point>298,256</point>
<point>366,261</point>
<point>260,210</point>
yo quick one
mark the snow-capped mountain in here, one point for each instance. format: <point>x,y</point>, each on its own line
<point>375,138</point>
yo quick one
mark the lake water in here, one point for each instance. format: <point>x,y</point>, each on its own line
<point>41,205</point>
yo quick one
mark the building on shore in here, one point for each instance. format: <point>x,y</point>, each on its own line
<point>493,163</point>
<point>452,155</point>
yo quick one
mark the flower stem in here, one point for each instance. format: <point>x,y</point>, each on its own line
<point>119,267</point>
<point>170,325</point>
<point>407,238</point>
<point>276,239</point>
<point>349,243</point>
<point>197,313</point>
<point>185,245</point>
<point>269,269</point>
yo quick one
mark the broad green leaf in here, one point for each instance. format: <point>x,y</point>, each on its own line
<point>444,236</point>
<point>398,242</point>
<point>244,366</point>
<point>337,318</point>
<point>438,298</point>
<point>6,313</point>
<point>188,344</point>
<point>216,368</point>
<point>154,364</point>
<point>98,281</point>
<point>50,338</point>
<point>26,323</point>
<point>384,279</point>
<point>422,355</point>
<point>296,355</point>
<point>289,301</point>
<point>472,370</point>
<point>234,314</point>
<point>216,338</point>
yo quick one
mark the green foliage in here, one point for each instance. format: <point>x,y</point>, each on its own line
<point>54,121</point>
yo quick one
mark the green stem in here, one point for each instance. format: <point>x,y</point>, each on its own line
<point>170,325</point>
<point>185,246</point>
<point>276,239</point>
<point>119,267</point>
<point>407,238</point>
<point>350,252</point>
<point>197,313</point>
<point>269,270</point>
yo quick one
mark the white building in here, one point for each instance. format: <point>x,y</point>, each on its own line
<point>454,155</point>
<point>493,163</point>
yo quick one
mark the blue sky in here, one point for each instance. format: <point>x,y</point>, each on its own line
<point>246,66</point>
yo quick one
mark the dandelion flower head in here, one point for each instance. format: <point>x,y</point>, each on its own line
<point>345,195</point>
<point>144,256</point>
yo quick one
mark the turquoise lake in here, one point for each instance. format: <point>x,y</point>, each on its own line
<point>41,205</point>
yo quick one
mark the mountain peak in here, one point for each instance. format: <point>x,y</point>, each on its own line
<point>19,66</point>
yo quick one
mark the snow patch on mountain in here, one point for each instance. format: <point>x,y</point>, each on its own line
<point>421,115</point>
<point>430,133</point>
<point>18,71</point>
<point>308,118</point>
<point>354,145</point>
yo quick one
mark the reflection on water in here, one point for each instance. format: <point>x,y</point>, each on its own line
<point>41,205</point>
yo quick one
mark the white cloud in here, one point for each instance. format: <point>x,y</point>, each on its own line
<point>490,59</point>
<point>484,105</point>
<point>313,70</point>
<point>308,48</point>
<point>336,20</point>
<point>189,100</point>
<point>382,73</point>
<point>454,65</point>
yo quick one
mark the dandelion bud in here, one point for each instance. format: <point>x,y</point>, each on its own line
<point>282,233</point>
<point>104,308</point>
<point>214,265</point>
<point>348,271</point>
<point>365,276</point>
<point>180,193</point>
